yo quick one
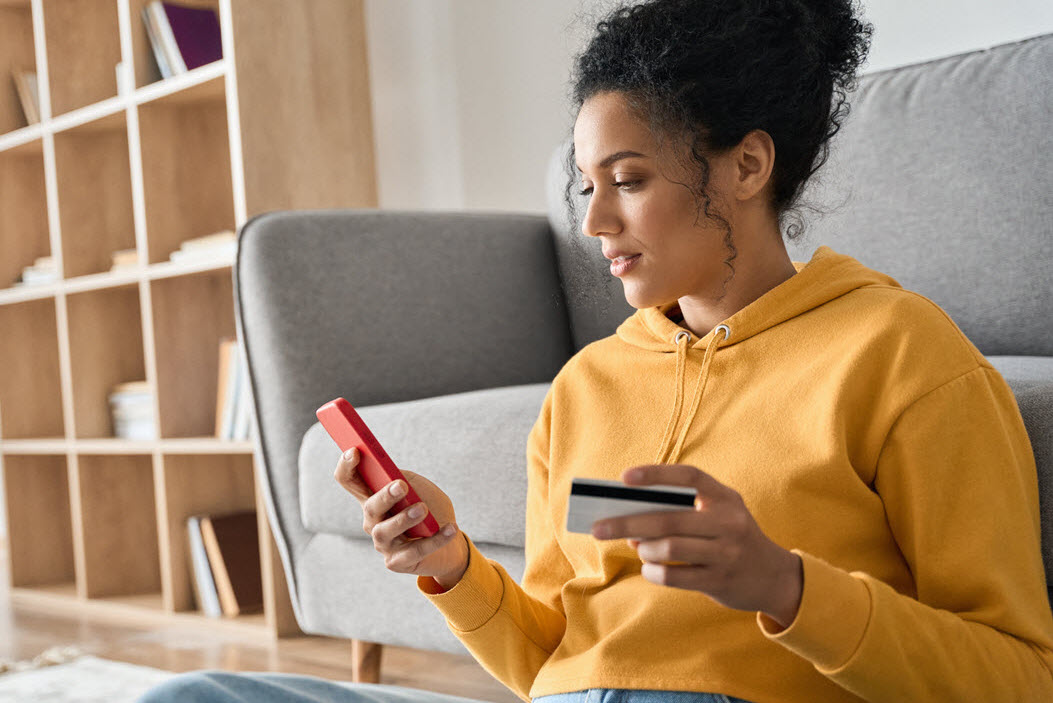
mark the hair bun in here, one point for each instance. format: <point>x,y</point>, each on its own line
<point>834,29</point>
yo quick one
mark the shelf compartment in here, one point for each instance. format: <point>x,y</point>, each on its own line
<point>187,184</point>
<point>197,484</point>
<point>119,525</point>
<point>146,70</point>
<point>30,381</point>
<point>17,51</point>
<point>83,47</point>
<point>191,315</point>
<point>40,535</point>
<point>94,194</point>
<point>106,348</point>
<point>23,210</point>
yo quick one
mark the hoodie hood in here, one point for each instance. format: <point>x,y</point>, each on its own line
<point>826,276</point>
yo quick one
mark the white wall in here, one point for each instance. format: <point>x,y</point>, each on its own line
<point>469,95</point>
<point>468,99</point>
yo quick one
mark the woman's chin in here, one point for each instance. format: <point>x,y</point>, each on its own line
<point>642,299</point>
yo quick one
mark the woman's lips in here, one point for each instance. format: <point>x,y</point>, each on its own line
<point>620,267</point>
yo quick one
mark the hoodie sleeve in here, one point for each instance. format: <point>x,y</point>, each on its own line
<point>511,630</point>
<point>958,480</point>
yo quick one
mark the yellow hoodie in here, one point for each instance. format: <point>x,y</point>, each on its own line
<point>864,432</point>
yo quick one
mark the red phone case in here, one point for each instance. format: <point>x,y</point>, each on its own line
<point>375,467</point>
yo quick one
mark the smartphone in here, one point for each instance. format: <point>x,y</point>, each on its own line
<point>376,468</point>
<point>593,499</point>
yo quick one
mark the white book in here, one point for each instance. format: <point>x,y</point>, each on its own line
<point>35,275</point>
<point>135,429</point>
<point>155,44</point>
<point>130,397</point>
<point>230,405</point>
<point>204,583</point>
<point>224,250</point>
<point>244,410</point>
<point>143,412</point>
<point>168,41</point>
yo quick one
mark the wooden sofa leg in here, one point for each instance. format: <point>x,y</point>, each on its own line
<point>365,661</point>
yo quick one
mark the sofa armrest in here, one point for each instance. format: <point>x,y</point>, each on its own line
<point>385,306</point>
<point>1035,401</point>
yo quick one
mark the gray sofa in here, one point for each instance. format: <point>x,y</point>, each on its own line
<point>445,329</point>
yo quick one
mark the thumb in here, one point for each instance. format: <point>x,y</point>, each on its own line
<point>346,474</point>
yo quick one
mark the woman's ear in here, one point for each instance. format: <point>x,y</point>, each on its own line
<point>754,161</point>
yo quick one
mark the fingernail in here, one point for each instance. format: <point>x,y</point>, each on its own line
<point>601,530</point>
<point>449,530</point>
<point>398,489</point>
<point>416,511</point>
<point>349,454</point>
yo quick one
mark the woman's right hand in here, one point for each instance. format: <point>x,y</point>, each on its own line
<point>442,557</point>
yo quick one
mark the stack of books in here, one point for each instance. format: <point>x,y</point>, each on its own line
<point>43,270</point>
<point>182,36</point>
<point>225,562</point>
<point>132,410</point>
<point>233,398</point>
<point>211,247</point>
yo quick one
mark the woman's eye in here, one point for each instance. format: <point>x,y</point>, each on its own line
<point>617,184</point>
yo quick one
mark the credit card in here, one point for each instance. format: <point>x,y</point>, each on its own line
<point>593,499</point>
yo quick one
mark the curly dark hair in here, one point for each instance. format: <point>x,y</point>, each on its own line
<point>703,73</point>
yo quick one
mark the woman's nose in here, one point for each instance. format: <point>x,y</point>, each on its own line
<point>599,218</point>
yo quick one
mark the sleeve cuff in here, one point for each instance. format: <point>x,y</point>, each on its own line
<point>832,617</point>
<point>474,599</point>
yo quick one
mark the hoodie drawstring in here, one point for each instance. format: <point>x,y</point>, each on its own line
<point>664,455</point>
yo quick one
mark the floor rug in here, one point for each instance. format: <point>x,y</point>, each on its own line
<point>84,679</point>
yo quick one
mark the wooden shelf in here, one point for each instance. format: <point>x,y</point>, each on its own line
<point>95,522</point>
<point>137,610</point>
<point>188,445</point>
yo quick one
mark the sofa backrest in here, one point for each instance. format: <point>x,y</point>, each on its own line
<point>939,177</point>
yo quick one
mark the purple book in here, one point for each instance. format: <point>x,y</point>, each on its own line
<point>196,31</point>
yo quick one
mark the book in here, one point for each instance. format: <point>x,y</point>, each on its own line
<point>226,387</point>
<point>153,33</point>
<point>243,407</point>
<point>132,410</point>
<point>214,253</point>
<point>238,371</point>
<point>220,245</point>
<point>124,258</point>
<point>184,37</point>
<point>204,583</point>
<point>28,93</point>
<point>43,270</point>
<point>231,542</point>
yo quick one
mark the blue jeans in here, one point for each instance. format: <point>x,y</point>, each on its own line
<point>269,687</point>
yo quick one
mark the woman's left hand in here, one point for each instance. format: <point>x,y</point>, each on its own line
<point>720,549</point>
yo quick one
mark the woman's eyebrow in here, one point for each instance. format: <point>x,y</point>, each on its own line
<point>618,156</point>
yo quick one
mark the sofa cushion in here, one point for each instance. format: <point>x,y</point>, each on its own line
<point>1021,372</point>
<point>471,445</point>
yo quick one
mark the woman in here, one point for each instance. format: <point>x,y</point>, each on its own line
<point>856,459</point>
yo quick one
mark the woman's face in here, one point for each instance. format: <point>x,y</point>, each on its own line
<point>635,207</point>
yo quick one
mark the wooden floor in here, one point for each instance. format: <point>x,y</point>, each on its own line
<point>26,632</point>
